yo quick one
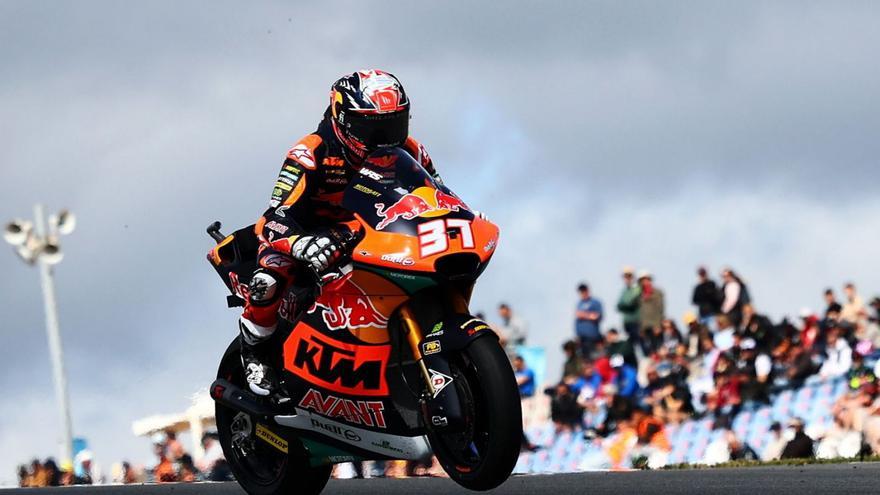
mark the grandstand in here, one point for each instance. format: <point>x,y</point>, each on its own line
<point>570,452</point>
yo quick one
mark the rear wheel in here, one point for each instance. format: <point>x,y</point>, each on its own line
<point>484,454</point>
<point>258,463</point>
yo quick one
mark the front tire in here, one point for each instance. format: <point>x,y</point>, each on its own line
<point>484,455</point>
<point>260,468</point>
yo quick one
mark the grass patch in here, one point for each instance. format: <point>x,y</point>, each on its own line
<point>781,462</point>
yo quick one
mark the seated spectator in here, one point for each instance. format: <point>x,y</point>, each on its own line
<point>859,373</point>
<point>593,405</point>
<point>618,409</point>
<point>725,401</point>
<point>792,365</point>
<point>625,377</point>
<point>173,448</point>
<point>839,440</point>
<point>674,407</point>
<point>23,476</point>
<point>671,335</point>
<point>67,474</point>
<point>695,330</point>
<point>801,445</point>
<point>188,473</point>
<point>564,409</point>
<point>53,474</point>
<point>754,372</point>
<point>130,475</point>
<point>853,310</point>
<point>728,448</point>
<point>615,345</point>
<point>525,377</point>
<point>838,355</point>
<point>758,328</point>
<point>703,381</point>
<point>213,463</point>
<point>773,449</point>
<point>164,471</point>
<point>84,473</point>
<point>723,338</point>
<point>739,450</point>
<point>589,379</point>
<point>810,330</point>
<point>833,307</point>
<point>652,445</point>
<point>573,361</point>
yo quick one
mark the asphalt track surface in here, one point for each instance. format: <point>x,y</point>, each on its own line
<point>830,478</point>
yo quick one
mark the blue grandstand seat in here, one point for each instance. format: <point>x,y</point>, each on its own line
<point>540,462</point>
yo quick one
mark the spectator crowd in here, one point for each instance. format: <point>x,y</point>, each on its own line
<point>628,384</point>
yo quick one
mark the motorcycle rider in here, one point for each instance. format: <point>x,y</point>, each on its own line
<point>305,221</point>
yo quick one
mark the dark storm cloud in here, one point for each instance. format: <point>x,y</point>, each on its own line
<point>600,133</point>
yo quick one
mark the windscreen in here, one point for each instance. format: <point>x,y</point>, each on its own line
<point>393,193</point>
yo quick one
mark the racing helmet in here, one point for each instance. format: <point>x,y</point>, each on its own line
<point>369,110</point>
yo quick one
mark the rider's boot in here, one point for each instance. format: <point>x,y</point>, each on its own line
<point>257,324</point>
<point>255,354</point>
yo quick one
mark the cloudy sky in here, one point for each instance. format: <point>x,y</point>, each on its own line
<point>596,134</point>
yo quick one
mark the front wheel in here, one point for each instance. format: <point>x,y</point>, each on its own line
<point>264,459</point>
<point>484,454</point>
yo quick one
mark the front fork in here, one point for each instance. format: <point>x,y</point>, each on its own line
<point>441,408</point>
<point>415,337</point>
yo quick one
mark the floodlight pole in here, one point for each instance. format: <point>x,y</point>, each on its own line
<point>55,351</point>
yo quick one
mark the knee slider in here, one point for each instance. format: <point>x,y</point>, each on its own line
<point>263,288</point>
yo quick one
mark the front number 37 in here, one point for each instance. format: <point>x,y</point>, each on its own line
<point>434,235</point>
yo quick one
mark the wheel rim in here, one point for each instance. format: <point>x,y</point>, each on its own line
<point>251,459</point>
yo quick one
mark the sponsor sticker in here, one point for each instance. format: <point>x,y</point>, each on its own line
<point>439,380</point>
<point>423,201</point>
<point>337,430</point>
<point>303,155</point>
<point>271,438</point>
<point>438,329</point>
<point>333,161</point>
<point>431,347</point>
<point>398,259</point>
<point>358,412</point>
<point>277,227</point>
<point>371,174</point>
<point>366,190</point>
<point>337,366</point>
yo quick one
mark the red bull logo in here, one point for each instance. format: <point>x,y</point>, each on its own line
<point>422,202</point>
<point>347,306</point>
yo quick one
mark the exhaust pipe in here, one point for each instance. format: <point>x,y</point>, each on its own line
<point>234,397</point>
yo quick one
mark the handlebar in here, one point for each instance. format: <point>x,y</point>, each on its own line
<point>213,230</point>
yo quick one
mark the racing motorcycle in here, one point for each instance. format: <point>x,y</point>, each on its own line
<point>382,360</point>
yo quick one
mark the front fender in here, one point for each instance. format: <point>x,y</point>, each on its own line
<point>454,334</point>
<point>447,338</point>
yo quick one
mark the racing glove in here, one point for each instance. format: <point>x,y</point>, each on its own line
<point>319,251</point>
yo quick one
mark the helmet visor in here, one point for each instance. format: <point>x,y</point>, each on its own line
<point>378,130</point>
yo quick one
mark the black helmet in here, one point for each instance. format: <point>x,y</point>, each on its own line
<point>369,110</point>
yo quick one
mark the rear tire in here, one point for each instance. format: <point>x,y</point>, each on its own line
<point>258,467</point>
<point>484,456</point>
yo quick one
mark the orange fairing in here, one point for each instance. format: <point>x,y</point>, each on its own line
<point>353,369</point>
<point>401,251</point>
<point>214,255</point>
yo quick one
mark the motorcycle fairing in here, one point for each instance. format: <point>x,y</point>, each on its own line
<point>386,445</point>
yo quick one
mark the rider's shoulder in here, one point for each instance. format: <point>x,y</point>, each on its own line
<point>306,151</point>
<point>417,150</point>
